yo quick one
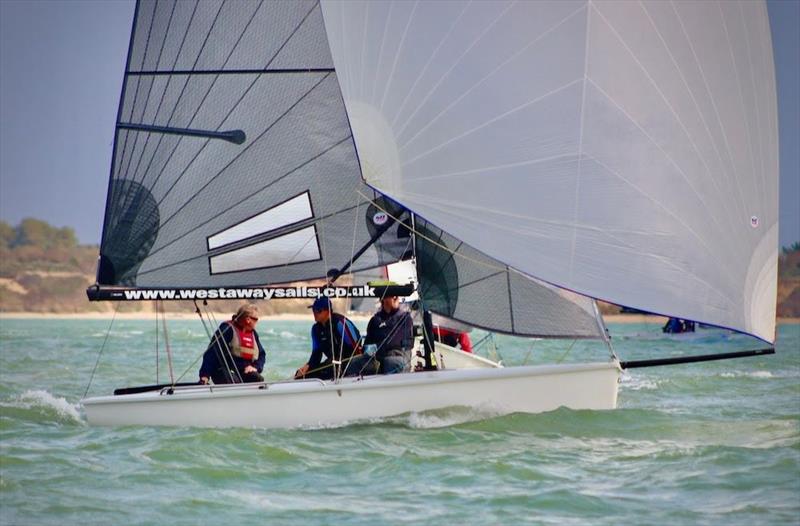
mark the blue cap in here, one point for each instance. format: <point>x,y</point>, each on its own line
<point>321,304</point>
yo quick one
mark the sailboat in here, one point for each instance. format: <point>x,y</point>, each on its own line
<point>533,157</point>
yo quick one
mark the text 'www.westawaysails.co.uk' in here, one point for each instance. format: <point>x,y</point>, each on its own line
<point>266,293</point>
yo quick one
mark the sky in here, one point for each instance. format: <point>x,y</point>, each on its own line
<point>61,68</point>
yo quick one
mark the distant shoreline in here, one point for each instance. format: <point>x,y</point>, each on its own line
<point>610,318</point>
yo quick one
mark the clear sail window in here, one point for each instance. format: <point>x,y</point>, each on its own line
<point>287,213</point>
<point>297,247</point>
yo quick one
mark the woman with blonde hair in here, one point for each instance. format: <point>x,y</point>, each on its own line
<point>235,354</point>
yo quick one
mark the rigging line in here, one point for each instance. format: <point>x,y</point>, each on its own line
<point>208,335</point>
<point>453,65</point>
<point>183,90</point>
<point>350,274</point>
<point>397,52</point>
<point>224,350</point>
<point>252,195</point>
<point>700,115</point>
<point>711,99</point>
<point>324,255</point>
<point>164,93</point>
<point>157,382</point>
<point>428,63</point>
<point>567,351</point>
<point>430,240</point>
<point>453,251</point>
<point>663,97</point>
<point>430,122</point>
<point>166,343</point>
<point>102,348</point>
<point>510,298</point>
<point>204,255</point>
<point>235,158</point>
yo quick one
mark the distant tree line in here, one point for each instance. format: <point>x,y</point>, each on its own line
<point>34,232</point>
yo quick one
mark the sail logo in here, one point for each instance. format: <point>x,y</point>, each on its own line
<point>754,221</point>
<point>380,218</point>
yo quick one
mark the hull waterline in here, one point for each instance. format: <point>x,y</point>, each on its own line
<point>313,403</point>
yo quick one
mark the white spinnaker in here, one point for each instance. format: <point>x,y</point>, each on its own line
<point>624,150</point>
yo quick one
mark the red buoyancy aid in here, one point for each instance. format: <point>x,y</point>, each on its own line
<point>243,344</point>
<point>452,337</point>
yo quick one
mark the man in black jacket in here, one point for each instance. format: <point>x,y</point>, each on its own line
<point>391,330</point>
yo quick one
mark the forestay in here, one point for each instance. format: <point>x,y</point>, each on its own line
<point>624,150</point>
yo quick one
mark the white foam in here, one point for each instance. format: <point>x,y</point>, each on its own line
<point>43,399</point>
<point>637,383</point>
<point>753,374</point>
<point>449,417</point>
<point>640,384</point>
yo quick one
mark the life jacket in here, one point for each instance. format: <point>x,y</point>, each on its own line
<point>452,338</point>
<point>243,344</point>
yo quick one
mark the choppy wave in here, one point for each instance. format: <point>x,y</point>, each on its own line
<point>48,405</point>
<point>720,439</point>
<point>637,383</point>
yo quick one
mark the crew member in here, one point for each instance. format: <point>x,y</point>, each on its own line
<point>452,338</point>
<point>235,353</point>
<point>391,330</point>
<point>334,337</point>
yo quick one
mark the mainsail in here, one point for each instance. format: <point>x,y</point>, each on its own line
<point>627,151</point>
<point>233,159</point>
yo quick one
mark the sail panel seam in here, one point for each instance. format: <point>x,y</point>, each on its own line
<point>713,105</point>
<point>661,94</point>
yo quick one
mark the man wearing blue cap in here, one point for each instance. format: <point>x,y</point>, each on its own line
<point>334,337</point>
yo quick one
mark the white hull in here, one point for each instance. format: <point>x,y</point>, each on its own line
<point>310,403</point>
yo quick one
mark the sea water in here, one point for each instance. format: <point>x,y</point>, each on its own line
<point>706,443</point>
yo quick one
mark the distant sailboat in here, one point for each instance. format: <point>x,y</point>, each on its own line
<point>531,155</point>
